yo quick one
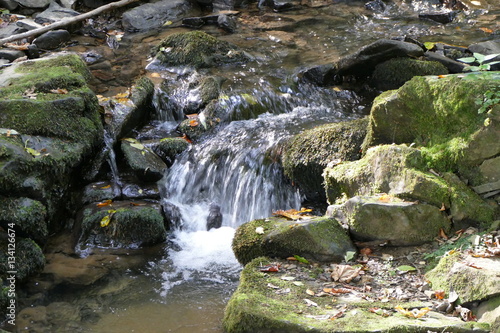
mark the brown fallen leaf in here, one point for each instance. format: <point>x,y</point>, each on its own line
<point>344,273</point>
<point>337,290</point>
<point>105,203</point>
<point>293,214</point>
<point>59,91</point>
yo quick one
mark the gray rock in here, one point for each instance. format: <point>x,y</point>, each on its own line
<point>444,18</point>
<point>55,13</point>
<point>452,65</point>
<point>154,15</point>
<point>399,222</point>
<point>146,165</point>
<point>319,238</point>
<point>486,48</point>
<point>34,3</point>
<point>9,4</point>
<point>226,23</point>
<point>10,30</point>
<point>96,3</point>
<point>52,39</point>
<point>214,219</point>
<point>363,62</point>
<point>322,75</point>
<point>11,55</point>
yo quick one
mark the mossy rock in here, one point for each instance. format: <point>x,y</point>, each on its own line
<point>197,49</point>
<point>441,116</point>
<point>393,73</point>
<point>146,165</point>
<point>128,226</point>
<point>321,239</point>
<point>308,153</point>
<point>29,258</point>
<point>459,272</point>
<point>410,223</point>
<point>256,307</point>
<point>401,171</point>
<point>169,148</point>
<point>28,216</point>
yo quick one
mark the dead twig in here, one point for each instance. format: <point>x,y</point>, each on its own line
<point>65,22</point>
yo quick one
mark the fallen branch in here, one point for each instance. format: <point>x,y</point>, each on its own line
<point>65,22</point>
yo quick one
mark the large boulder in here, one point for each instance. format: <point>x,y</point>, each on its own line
<point>146,165</point>
<point>363,62</point>
<point>440,115</point>
<point>320,238</point>
<point>28,259</point>
<point>121,224</point>
<point>27,216</point>
<point>401,171</point>
<point>308,153</point>
<point>197,49</point>
<point>154,15</point>
<point>383,218</point>
<point>393,73</point>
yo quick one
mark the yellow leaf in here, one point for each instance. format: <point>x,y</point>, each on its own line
<point>32,151</point>
<point>105,221</point>
<point>105,187</point>
<point>293,214</point>
<point>105,203</point>
<point>139,146</point>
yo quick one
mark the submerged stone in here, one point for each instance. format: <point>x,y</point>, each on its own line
<point>197,49</point>
<point>319,238</point>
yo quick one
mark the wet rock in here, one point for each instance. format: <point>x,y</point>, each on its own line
<point>220,5</point>
<point>99,191</point>
<point>393,73</point>
<point>319,238</point>
<point>410,223</point>
<point>363,62</point>
<point>214,219</point>
<point>153,15</point>
<point>169,148</point>
<point>10,30</point>
<point>135,191</point>
<point>470,283</point>
<point>29,259</point>
<point>11,55</point>
<point>279,5</point>
<point>376,5</point>
<point>128,226</point>
<point>95,3</point>
<point>401,171</point>
<point>452,65</point>
<point>28,216</point>
<point>197,49</point>
<point>487,48</point>
<point>146,165</point>
<point>307,154</point>
<point>226,23</point>
<point>55,13</point>
<point>193,22</point>
<point>52,39</point>
<point>322,75</point>
<point>443,18</point>
<point>173,216</point>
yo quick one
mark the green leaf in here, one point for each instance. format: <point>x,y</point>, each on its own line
<point>301,259</point>
<point>32,151</point>
<point>429,45</point>
<point>467,60</point>
<point>491,56</point>
<point>480,57</point>
<point>349,255</point>
<point>406,268</point>
<point>137,145</point>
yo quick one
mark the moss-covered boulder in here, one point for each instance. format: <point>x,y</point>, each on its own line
<point>50,126</point>
<point>121,224</point>
<point>320,238</point>
<point>308,153</point>
<point>393,73</point>
<point>29,258</point>
<point>258,306</point>
<point>146,165</point>
<point>401,171</point>
<point>440,115</point>
<point>29,217</point>
<point>197,49</point>
<point>386,218</point>
<point>472,278</point>
<point>169,148</point>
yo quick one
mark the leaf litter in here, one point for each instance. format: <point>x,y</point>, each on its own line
<point>379,275</point>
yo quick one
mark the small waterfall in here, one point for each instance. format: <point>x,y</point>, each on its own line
<point>111,158</point>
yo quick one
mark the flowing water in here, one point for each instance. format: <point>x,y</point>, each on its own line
<point>183,285</point>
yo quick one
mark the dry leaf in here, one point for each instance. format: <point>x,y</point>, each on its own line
<point>309,302</point>
<point>155,75</point>
<point>487,30</point>
<point>293,214</point>
<point>337,290</point>
<point>439,294</point>
<point>415,313</point>
<point>442,234</point>
<point>185,137</point>
<point>193,123</point>
<point>344,273</point>
<point>59,91</point>
<point>310,292</point>
<point>270,268</point>
<point>105,203</point>
<point>19,47</point>
<point>105,187</point>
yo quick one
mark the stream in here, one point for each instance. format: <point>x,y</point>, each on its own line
<point>184,284</point>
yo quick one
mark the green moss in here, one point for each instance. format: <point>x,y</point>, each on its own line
<point>29,216</point>
<point>198,49</point>
<point>72,61</point>
<point>395,72</point>
<point>307,154</point>
<point>29,258</point>
<point>169,148</point>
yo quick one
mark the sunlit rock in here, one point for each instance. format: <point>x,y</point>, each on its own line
<point>318,238</point>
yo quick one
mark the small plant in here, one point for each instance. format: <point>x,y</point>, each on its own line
<point>488,100</point>
<point>482,60</point>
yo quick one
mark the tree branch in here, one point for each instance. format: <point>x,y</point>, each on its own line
<point>65,22</point>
